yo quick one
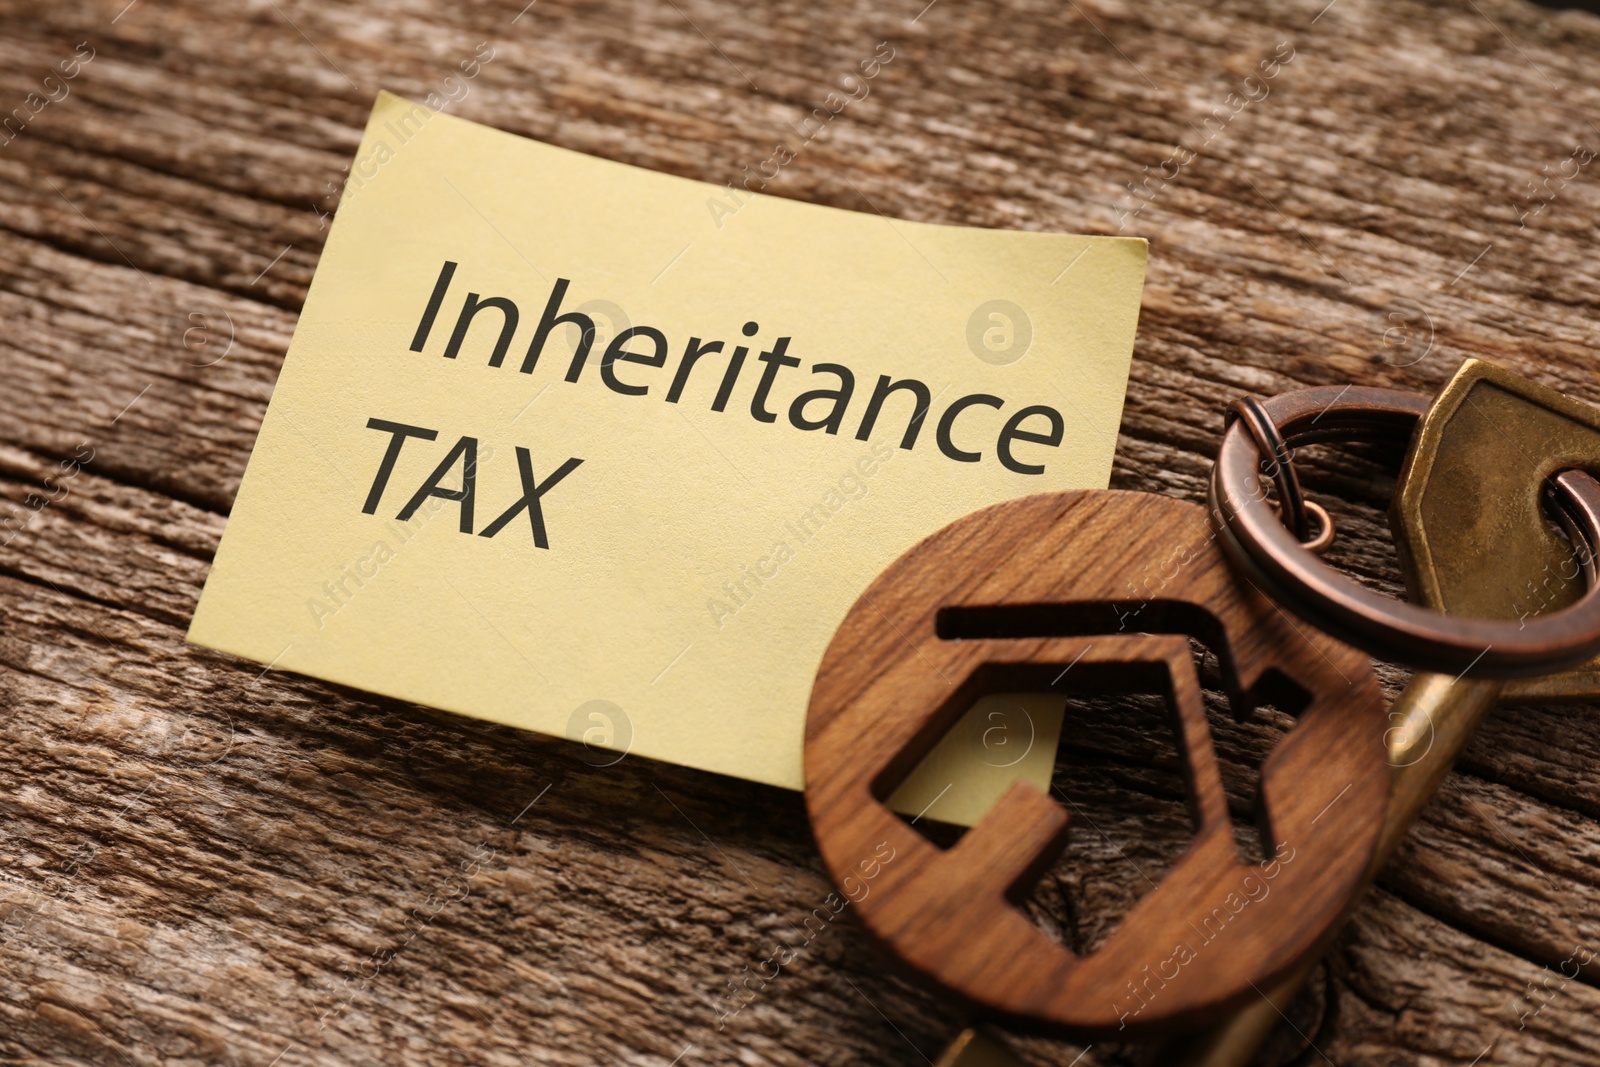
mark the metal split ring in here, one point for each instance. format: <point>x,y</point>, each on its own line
<point>1274,558</point>
<point>1278,462</point>
<point>1319,544</point>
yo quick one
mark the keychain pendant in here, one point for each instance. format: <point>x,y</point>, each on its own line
<point>1094,592</point>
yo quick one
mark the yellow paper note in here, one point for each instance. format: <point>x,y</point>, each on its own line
<point>608,454</point>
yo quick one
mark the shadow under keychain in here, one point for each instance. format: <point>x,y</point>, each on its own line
<point>1034,595</point>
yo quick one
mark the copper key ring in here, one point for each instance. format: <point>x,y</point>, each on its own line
<point>1270,556</point>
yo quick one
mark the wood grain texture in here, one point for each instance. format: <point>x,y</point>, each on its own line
<point>207,864</point>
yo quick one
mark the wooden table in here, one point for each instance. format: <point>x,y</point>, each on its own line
<point>205,862</point>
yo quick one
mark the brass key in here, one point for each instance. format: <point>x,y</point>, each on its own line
<point>1473,540</point>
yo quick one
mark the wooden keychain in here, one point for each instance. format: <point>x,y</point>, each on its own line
<point>1033,594</point>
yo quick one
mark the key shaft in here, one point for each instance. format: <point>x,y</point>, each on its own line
<point>1434,717</point>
